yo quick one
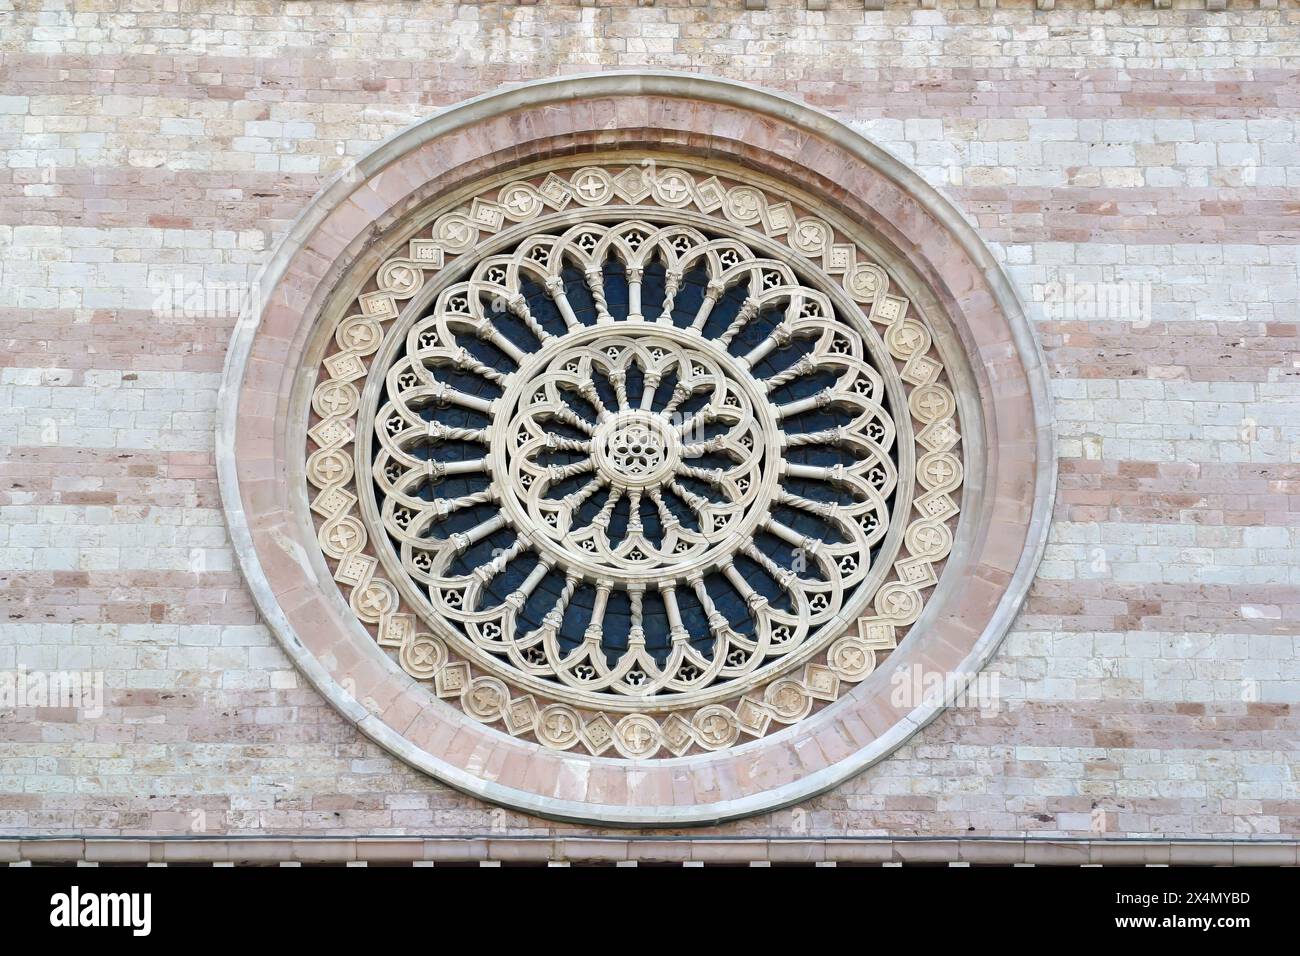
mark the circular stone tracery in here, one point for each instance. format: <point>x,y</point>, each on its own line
<point>635,462</point>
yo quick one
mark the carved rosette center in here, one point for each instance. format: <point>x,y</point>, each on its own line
<point>636,450</point>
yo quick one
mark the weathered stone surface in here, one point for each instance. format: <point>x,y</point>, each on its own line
<point>1149,686</point>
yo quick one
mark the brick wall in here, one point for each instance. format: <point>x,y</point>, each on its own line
<point>1149,687</point>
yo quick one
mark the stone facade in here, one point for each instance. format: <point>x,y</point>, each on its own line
<point>1135,169</point>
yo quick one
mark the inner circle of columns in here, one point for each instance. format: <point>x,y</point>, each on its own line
<point>638,451</point>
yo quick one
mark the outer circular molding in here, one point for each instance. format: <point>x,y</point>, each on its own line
<point>272,392</point>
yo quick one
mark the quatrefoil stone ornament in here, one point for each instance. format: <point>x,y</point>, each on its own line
<point>625,481</point>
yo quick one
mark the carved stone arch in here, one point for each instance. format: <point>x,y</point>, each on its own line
<point>607,447</point>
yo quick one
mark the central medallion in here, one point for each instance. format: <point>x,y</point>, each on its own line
<point>637,450</point>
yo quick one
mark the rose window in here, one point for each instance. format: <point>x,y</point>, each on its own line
<point>635,448</point>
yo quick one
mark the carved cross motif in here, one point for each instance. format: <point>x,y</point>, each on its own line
<point>673,188</point>
<point>591,186</point>
<point>334,398</point>
<point>342,536</point>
